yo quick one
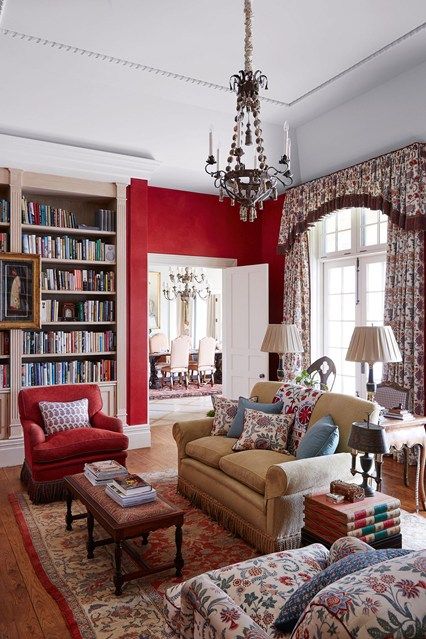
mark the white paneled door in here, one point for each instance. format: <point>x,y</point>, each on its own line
<point>245,318</point>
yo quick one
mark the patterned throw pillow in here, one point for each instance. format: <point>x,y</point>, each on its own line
<point>298,601</point>
<point>298,401</point>
<point>347,546</point>
<point>61,416</point>
<point>265,431</point>
<point>224,414</point>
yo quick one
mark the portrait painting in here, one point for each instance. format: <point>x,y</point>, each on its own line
<point>154,300</point>
<point>20,291</point>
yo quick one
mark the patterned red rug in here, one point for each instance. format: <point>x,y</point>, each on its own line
<point>181,391</point>
<point>83,588</point>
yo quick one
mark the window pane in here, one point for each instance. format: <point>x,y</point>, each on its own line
<point>375,303</point>
<point>384,232</point>
<point>375,276</point>
<point>348,307</point>
<point>348,285</point>
<point>344,219</point>
<point>370,235</point>
<point>344,240</point>
<point>330,223</point>
<point>335,337</point>
<point>335,280</point>
<point>369,217</point>
<point>330,243</point>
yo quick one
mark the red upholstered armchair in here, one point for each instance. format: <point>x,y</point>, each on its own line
<point>48,458</point>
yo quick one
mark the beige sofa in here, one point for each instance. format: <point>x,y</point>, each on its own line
<point>258,494</point>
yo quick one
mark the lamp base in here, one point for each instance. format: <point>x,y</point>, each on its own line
<point>366,462</point>
<point>371,385</point>
<point>280,370</point>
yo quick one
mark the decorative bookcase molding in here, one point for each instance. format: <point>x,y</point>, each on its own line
<point>98,339</point>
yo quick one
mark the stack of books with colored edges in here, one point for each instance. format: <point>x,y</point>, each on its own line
<point>130,490</point>
<point>101,473</point>
<point>371,519</point>
<point>399,413</point>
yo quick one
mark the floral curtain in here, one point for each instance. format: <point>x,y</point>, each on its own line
<point>405,310</point>
<point>297,301</point>
<point>395,183</point>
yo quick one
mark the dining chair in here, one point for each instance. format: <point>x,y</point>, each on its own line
<point>325,368</point>
<point>158,343</point>
<point>206,360</point>
<point>179,360</point>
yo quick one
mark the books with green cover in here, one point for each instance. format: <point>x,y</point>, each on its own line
<point>373,519</point>
<point>131,484</point>
<point>381,534</point>
<point>347,511</point>
<point>373,528</point>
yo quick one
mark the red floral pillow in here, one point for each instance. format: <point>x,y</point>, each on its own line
<point>224,414</point>
<point>264,431</point>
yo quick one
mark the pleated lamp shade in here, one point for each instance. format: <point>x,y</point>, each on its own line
<point>372,344</point>
<point>282,338</point>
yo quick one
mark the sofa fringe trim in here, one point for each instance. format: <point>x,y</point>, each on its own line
<point>233,522</point>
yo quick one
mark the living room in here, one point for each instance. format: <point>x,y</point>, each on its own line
<point>295,205</point>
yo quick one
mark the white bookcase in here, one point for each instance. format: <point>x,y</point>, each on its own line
<point>31,362</point>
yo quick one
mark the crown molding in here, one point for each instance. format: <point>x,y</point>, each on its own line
<point>73,161</point>
<point>2,6</point>
<point>68,48</point>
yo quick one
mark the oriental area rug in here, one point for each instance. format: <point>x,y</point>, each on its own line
<point>180,391</point>
<point>83,588</point>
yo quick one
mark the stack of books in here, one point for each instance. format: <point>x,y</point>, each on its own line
<point>101,472</point>
<point>374,518</point>
<point>398,413</point>
<point>130,490</point>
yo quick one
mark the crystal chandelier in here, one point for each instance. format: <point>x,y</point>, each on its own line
<point>186,284</point>
<point>250,187</point>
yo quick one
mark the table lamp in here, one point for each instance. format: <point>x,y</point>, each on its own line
<point>368,438</point>
<point>281,339</point>
<point>371,344</point>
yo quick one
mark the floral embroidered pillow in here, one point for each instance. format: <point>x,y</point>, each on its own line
<point>264,431</point>
<point>62,416</point>
<point>224,414</point>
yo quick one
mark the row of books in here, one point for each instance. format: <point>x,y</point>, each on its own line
<point>124,488</point>
<point>4,342</point>
<point>69,372</point>
<point>105,220</point>
<point>59,342</point>
<point>87,311</point>
<point>46,215</point>
<point>4,211</point>
<point>53,279</point>
<point>68,248</point>
<point>372,519</point>
<point>4,376</point>
<point>4,242</point>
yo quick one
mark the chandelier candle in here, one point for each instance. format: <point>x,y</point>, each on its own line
<point>250,187</point>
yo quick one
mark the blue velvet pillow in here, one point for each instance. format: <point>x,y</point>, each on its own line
<point>296,604</point>
<point>236,428</point>
<point>320,439</point>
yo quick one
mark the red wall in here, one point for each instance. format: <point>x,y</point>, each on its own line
<point>184,223</point>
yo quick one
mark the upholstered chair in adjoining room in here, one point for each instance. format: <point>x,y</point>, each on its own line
<point>58,447</point>
<point>179,360</point>
<point>205,364</point>
<point>158,343</point>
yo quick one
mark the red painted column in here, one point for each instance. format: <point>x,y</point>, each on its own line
<point>137,291</point>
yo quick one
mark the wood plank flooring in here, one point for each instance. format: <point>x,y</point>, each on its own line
<point>26,610</point>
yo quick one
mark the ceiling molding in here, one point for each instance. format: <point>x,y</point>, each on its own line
<point>68,48</point>
<point>2,6</point>
<point>73,161</point>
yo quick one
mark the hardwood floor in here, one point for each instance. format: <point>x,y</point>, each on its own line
<point>26,609</point>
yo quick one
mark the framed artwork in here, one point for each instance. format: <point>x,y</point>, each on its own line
<point>154,300</point>
<point>19,290</point>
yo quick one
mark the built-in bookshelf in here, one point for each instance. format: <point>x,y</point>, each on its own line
<point>78,229</point>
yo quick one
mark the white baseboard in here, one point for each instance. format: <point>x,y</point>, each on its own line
<point>11,452</point>
<point>139,436</point>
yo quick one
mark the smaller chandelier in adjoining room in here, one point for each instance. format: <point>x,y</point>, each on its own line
<point>187,284</point>
<point>249,186</point>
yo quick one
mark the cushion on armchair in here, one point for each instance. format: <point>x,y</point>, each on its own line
<point>76,442</point>
<point>62,416</point>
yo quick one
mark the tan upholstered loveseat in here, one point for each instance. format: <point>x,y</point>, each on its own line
<point>258,494</point>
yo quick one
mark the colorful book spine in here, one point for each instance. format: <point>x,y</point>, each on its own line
<point>382,534</point>
<point>374,519</point>
<point>373,528</point>
<point>374,510</point>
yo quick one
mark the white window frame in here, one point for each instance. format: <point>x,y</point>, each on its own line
<point>318,259</point>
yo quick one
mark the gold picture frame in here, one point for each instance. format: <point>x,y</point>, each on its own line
<point>19,291</point>
<point>154,300</point>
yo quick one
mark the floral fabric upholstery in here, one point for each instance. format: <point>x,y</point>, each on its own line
<point>244,598</point>
<point>224,414</point>
<point>347,546</point>
<point>265,431</point>
<point>298,401</point>
<point>380,602</point>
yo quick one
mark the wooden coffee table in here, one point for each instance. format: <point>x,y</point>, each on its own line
<point>123,524</point>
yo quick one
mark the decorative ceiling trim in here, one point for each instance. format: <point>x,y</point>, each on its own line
<point>68,48</point>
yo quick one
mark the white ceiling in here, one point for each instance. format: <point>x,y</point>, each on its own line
<point>317,54</point>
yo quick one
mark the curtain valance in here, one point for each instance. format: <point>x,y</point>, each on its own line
<point>395,183</point>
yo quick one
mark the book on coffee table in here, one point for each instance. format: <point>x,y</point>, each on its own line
<point>105,469</point>
<point>133,500</point>
<point>131,484</point>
